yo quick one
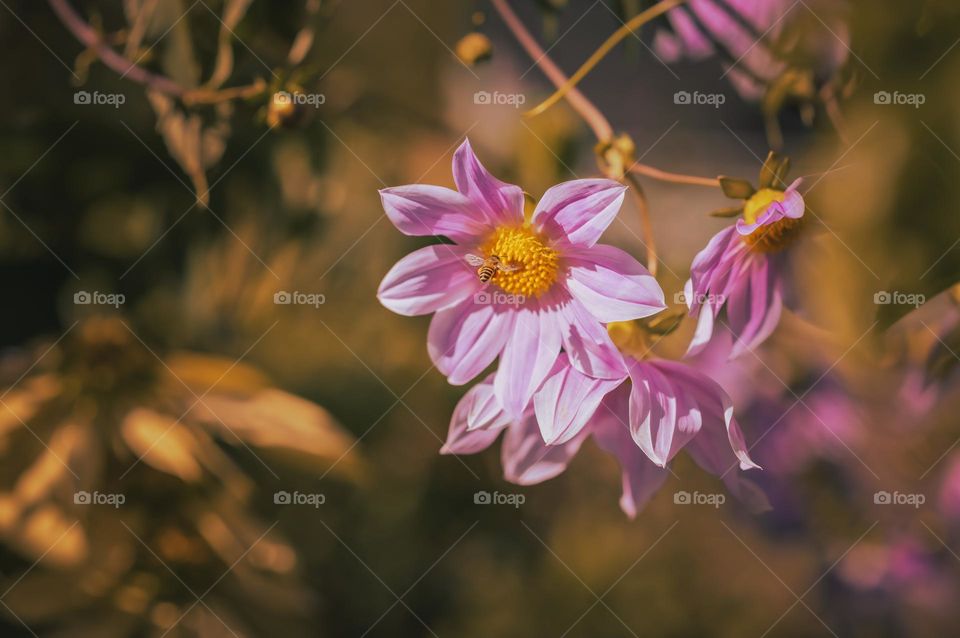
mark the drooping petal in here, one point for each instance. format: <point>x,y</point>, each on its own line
<point>460,438</point>
<point>427,280</point>
<point>721,437</point>
<point>587,343</point>
<point>754,307</point>
<point>420,209</point>
<point>705,266</point>
<point>641,477</point>
<point>567,401</point>
<point>578,212</point>
<point>612,284</point>
<point>665,408</point>
<point>484,411</point>
<point>528,355</point>
<point>528,460</point>
<point>499,203</point>
<point>466,338</point>
<point>703,332</point>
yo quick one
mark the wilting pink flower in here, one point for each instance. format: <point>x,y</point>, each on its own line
<point>667,407</point>
<point>758,40</point>
<point>556,290</point>
<point>741,270</point>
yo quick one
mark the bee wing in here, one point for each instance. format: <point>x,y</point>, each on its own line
<point>510,268</point>
<point>473,260</point>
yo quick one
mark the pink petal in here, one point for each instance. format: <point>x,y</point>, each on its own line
<point>793,205</point>
<point>612,284</point>
<point>427,280</point>
<point>484,412</point>
<point>641,477</point>
<point>528,460</point>
<point>720,444</point>
<point>587,343</point>
<point>466,338</point>
<point>578,212</point>
<point>704,330</point>
<point>500,203</point>
<point>567,400</point>
<point>420,209</point>
<point>698,45</point>
<point>706,264</point>
<point>663,418</point>
<point>462,440</point>
<point>527,357</point>
<point>754,307</point>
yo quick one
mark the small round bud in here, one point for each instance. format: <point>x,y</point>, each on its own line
<point>474,48</point>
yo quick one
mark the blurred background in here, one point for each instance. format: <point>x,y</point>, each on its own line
<point>210,427</point>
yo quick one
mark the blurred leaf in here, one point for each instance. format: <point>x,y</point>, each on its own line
<point>280,421</point>
<point>735,188</point>
<point>162,443</point>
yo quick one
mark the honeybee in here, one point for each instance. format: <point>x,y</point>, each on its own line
<point>487,268</point>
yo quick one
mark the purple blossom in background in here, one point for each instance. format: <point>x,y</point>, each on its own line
<point>757,40</point>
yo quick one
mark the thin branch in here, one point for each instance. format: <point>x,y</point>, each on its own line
<point>646,225</point>
<point>627,29</point>
<point>89,37</point>
<point>584,107</point>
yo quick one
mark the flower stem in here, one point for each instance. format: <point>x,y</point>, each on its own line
<point>646,225</point>
<point>627,29</point>
<point>676,178</point>
<point>584,107</point>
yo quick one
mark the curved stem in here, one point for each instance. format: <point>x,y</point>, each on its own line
<point>584,107</point>
<point>676,178</point>
<point>627,29</point>
<point>646,225</point>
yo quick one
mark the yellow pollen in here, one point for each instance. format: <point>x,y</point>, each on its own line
<point>537,264</point>
<point>772,237</point>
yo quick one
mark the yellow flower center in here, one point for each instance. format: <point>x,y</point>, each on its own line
<point>536,263</point>
<point>759,202</point>
<point>772,237</point>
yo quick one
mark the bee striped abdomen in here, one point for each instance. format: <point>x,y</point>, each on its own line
<point>486,272</point>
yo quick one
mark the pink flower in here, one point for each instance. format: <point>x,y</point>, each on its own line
<point>667,407</point>
<point>758,40</point>
<point>741,270</point>
<point>556,288</point>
